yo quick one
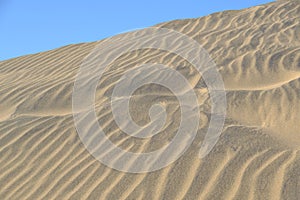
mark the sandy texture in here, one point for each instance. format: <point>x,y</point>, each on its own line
<point>257,51</point>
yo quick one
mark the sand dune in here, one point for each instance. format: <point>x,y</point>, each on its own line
<point>257,52</point>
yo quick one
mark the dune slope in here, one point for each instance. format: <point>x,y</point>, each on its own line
<point>257,52</point>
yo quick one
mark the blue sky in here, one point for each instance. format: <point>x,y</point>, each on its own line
<point>31,26</point>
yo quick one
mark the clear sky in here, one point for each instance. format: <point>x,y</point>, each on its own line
<point>31,26</point>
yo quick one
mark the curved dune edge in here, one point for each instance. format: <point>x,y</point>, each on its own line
<point>257,51</point>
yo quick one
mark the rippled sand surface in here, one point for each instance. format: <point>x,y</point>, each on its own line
<point>257,52</point>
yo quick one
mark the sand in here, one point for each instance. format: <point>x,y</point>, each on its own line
<point>257,52</point>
